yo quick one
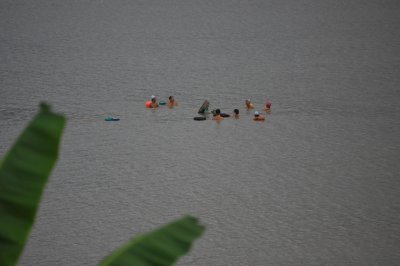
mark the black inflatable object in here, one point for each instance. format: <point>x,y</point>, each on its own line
<point>221,114</point>
<point>199,118</point>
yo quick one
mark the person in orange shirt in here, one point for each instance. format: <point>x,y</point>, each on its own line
<point>172,102</point>
<point>257,117</point>
<point>218,116</point>
<point>249,104</point>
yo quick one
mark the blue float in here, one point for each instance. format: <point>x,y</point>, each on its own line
<point>111,119</point>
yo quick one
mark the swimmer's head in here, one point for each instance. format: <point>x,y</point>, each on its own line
<point>236,111</point>
<point>248,101</point>
<point>268,104</point>
<point>171,98</point>
<point>256,113</point>
<point>217,112</point>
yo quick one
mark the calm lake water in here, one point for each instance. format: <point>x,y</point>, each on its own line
<point>318,183</point>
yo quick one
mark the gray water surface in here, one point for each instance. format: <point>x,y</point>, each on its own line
<point>318,183</point>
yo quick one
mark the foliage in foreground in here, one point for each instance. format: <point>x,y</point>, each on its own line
<point>24,172</point>
<point>160,247</point>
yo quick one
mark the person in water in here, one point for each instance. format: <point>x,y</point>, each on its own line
<point>217,116</point>
<point>249,104</point>
<point>236,113</point>
<point>268,107</point>
<point>154,103</point>
<point>171,101</point>
<point>258,117</point>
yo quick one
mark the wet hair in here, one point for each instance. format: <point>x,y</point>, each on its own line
<point>236,111</point>
<point>170,97</point>
<point>217,112</point>
<point>153,99</point>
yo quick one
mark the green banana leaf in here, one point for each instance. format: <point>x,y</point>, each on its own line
<point>23,174</point>
<point>160,247</point>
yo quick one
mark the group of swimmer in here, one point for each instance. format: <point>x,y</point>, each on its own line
<point>154,104</point>
<point>217,115</point>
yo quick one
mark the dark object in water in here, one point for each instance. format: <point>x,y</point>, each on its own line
<point>204,107</point>
<point>199,118</point>
<point>214,112</point>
